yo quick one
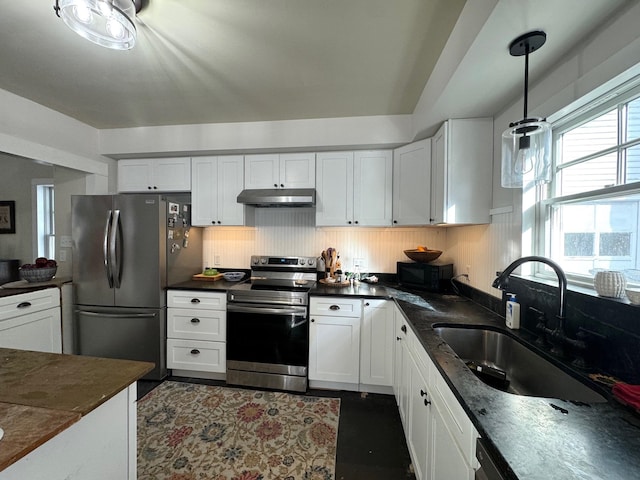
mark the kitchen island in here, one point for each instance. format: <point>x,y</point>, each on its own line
<point>67,417</point>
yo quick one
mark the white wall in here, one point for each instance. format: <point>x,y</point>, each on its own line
<point>612,51</point>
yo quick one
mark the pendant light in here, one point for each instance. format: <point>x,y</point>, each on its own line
<point>108,23</point>
<point>526,144</point>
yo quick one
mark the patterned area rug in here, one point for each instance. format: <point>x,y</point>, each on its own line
<point>196,432</point>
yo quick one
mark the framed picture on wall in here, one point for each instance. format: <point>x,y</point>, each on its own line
<point>7,216</point>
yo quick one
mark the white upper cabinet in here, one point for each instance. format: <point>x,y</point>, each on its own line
<point>461,164</point>
<point>412,184</point>
<point>285,170</point>
<point>155,175</point>
<point>354,188</point>
<point>216,183</point>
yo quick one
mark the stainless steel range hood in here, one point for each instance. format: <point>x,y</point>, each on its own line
<point>279,197</point>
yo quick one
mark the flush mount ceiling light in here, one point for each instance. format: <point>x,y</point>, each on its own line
<point>526,144</point>
<point>108,23</point>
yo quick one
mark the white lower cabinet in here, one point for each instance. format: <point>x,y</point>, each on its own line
<point>440,436</point>
<point>32,321</point>
<point>376,343</point>
<point>351,344</point>
<point>334,340</point>
<point>196,331</point>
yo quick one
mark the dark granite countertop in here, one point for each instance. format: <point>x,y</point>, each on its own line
<point>530,438</point>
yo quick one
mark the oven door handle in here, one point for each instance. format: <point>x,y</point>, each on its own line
<point>266,310</point>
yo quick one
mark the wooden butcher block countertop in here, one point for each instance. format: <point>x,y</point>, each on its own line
<point>41,394</point>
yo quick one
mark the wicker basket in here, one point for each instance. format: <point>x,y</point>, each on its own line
<point>35,275</point>
<point>423,256</point>
<point>610,284</point>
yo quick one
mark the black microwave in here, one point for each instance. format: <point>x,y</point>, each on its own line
<point>424,276</point>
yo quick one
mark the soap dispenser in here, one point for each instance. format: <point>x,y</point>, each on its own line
<point>512,312</point>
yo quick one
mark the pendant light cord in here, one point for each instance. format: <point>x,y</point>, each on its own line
<point>526,81</point>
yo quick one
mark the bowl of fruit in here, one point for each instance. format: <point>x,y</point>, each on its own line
<point>422,254</point>
<point>42,270</point>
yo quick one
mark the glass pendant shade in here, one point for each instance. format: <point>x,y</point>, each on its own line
<point>108,23</point>
<point>526,153</point>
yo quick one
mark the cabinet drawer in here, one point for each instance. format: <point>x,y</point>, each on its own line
<point>197,355</point>
<point>39,331</point>
<point>335,307</point>
<point>454,417</point>
<point>26,303</point>
<point>196,299</point>
<point>197,324</point>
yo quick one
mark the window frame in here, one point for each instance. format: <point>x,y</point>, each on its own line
<point>617,98</point>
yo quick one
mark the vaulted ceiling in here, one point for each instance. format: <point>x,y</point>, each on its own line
<point>214,61</point>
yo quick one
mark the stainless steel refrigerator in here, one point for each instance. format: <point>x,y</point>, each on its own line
<point>126,250</point>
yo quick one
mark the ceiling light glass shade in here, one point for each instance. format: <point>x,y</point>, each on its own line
<point>108,23</point>
<point>526,153</point>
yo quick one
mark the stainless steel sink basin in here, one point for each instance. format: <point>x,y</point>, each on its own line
<point>505,363</point>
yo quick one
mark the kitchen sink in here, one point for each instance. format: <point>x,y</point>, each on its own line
<point>504,362</point>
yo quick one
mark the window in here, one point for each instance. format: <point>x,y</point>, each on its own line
<point>589,216</point>
<point>44,225</point>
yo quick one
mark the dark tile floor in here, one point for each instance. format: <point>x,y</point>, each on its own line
<point>371,442</point>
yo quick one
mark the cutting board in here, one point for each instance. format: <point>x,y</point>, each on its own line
<point>208,278</point>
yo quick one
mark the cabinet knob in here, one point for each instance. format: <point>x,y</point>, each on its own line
<point>334,307</point>
<point>282,185</point>
<point>349,222</point>
<point>356,222</point>
<point>427,402</point>
<point>366,304</point>
<point>149,187</point>
<point>195,300</point>
<point>195,320</point>
<point>213,222</point>
<point>195,351</point>
<point>395,221</point>
<point>219,222</point>
<point>23,305</point>
<point>422,393</point>
<point>275,185</point>
<point>403,328</point>
<point>155,188</point>
<point>313,320</point>
<point>398,338</point>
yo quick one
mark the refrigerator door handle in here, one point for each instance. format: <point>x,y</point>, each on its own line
<point>105,249</point>
<point>114,247</point>
<point>116,315</point>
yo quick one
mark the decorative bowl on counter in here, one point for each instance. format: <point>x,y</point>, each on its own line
<point>633,294</point>
<point>609,283</point>
<point>35,275</point>
<point>423,256</point>
<point>233,276</point>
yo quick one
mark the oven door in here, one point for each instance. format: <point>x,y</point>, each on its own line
<point>268,338</point>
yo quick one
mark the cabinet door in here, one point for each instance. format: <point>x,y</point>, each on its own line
<point>197,355</point>
<point>261,171</point>
<point>445,458</point>
<point>419,421</point>
<point>372,185</point>
<point>204,191</point>
<point>40,331</point>
<point>230,176</point>
<point>376,343</point>
<point>172,174</point>
<point>334,189</point>
<point>438,180</point>
<point>297,170</point>
<point>135,175</point>
<point>194,324</point>
<point>412,184</point>
<point>334,349</point>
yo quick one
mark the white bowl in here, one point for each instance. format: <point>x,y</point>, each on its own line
<point>233,276</point>
<point>633,294</point>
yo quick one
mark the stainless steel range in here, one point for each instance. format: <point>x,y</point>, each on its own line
<point>268,324</point>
